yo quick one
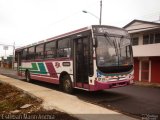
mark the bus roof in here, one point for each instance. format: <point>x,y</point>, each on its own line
<point>56,37</point>
<point>66,34</point>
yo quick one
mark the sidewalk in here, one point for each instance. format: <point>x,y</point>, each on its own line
<point>70,104</point>
<point>147,84</point>
<point>9,72</point>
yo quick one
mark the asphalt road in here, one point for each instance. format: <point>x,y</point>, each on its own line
<point>132,100</point>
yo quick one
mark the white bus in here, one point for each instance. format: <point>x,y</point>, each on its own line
<point>91,58</point>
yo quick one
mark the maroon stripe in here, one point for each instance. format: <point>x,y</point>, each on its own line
<point>67,34</point>
<point>49,60</point>
<point>57,37</point>
<point>49,80</point>
<point>40,75</point>
<point>51,70</point>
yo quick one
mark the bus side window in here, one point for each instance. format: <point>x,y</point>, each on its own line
<point>50,49</point>
<point>31,53</point>
<point>24,54</point>
<point>39,51</point>
<point>64,49</point>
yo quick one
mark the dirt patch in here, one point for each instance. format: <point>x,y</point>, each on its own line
<point>15,103</point>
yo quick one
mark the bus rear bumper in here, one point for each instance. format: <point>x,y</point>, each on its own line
<point>109,85</point>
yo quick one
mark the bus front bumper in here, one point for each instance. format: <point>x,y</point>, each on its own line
<point>110,84</point>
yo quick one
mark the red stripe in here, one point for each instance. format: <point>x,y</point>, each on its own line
<point>67,34</point>
<point>49,80</point>
<point>51,70</point>
<point>49,60</point>
<point>40,75</point>
<point>57,37</point>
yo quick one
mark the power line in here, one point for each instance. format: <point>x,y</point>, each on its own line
<point>10,45</point>
<point>5,45</point>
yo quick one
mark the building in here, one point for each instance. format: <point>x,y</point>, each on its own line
<point>146,50</point>
<point>0,61</point>
<point>6,63</point>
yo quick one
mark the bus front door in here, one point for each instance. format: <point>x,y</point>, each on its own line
<point>81,54</point>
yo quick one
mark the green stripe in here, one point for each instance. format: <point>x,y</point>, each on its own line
<point>34,66</point>
<point>34,69</point>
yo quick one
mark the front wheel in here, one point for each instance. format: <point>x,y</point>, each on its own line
<point>67,85</point>
<point>28,78</point>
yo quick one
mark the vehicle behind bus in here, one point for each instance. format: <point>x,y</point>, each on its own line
<point>92,58</point>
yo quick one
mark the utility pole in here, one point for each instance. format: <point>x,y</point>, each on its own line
<point>100,18</point>
<point>13,55</point>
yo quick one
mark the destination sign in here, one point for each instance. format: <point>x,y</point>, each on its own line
<point>110,30</point>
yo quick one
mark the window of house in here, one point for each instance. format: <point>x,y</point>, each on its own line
<point>64,49</point>
<point>135,41</point>
<point>151,38</point>
<point>39,51</point>
<point>157,38</point>
<point>31,53</point>
<point>50,49</point>
<point>146,39</point>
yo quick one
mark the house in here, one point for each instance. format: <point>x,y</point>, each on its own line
<point>146,50</point>
<point>6,63</point>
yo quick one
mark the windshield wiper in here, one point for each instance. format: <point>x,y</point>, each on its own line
<point>109,41</point>
<point>120,45</point>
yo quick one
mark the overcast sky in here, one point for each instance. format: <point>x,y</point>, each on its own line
<point>28,21</point>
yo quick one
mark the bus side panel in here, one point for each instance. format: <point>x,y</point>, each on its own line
<point>47,71</point>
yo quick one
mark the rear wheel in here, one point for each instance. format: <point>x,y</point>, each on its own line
<point>67,84</point>
<point>28,78</point>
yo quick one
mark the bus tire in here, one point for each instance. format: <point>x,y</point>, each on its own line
<point>67,84</point>
<point>28,77</point>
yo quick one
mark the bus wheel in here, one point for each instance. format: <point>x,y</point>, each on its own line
<point>28,78</point>
<point>67,84</point>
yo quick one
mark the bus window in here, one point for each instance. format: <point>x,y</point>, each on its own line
<point>31,53</point>
<point>64,49</point>
<point>39,51</point>
<point>50,50</point>
<point>24,54</point>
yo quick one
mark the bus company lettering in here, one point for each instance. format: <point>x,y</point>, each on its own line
<point>57,64</point>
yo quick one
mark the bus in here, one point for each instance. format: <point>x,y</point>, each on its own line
<point>92,58</point>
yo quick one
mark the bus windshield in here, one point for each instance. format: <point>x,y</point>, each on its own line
<point>113,51</point>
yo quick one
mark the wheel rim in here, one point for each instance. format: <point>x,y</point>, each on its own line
<point>67,85</point>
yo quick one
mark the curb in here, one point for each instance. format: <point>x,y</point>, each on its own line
<point>147,84</point>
